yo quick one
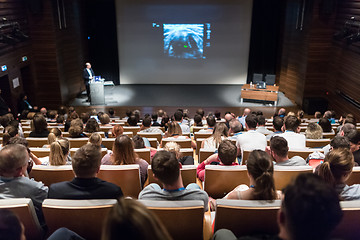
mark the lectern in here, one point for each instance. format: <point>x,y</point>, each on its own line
<point>97,92</point>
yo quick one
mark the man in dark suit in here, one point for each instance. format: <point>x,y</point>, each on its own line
<point>88,75</point>
<point>86,164</point>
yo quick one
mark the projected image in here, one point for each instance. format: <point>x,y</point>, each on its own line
<point>184,41</point>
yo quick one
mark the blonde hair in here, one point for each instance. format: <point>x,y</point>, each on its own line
<point>58,152</point>
<point>174,129</point>
<point>54,134</point>
<point>314,131</point>
<point>173,147</point>
<point>95,138</point>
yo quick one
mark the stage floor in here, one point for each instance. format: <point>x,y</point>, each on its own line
<point>178,96</point>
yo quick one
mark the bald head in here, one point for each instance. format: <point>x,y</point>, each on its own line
<point>247,111</point>
<point>228,117</point>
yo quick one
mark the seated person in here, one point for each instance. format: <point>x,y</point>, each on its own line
<point>104,120</point>
<point>96,139</point>
<point>76,129</point>
<point>91,126</point>
<point>278,123</point>
<point>313,131</point>
<point>179,119</point>
<point>39,126</point>
<point>116,131</point>
<point>139,142</point>
<point>292,133</point>
<point>146,127</point>
<point>59,153</point>
<point>211,122</point>
<point>154,120</point>
<point>197,122</point>
<point>226,156</point>
<point>279,149</point>
<point>13,181</point>
<point>261,121</point>
<point>175,148</point>
<point>354,139</point>
<point>85,185</point>
<point>260,172</point>
<point>174,132</point>
<point>325,125</point>
<point>336,170</point>
<point>220,133</point>
<point>300,212</point>
<point>235,129</point>
<point>166,169</point>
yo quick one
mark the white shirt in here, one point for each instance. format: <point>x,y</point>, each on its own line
<point>295,140</point>
<point>251,140</point>
<point>90,74</point>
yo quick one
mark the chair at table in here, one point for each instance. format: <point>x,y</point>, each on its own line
<point>85,217</point>
<point>52,174</point>
<point>220,180</point>
<point>24,209</point>
<point>125,176</point>
<point>247,217</point>
<point>283,175</point>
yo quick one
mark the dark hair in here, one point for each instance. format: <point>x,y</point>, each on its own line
<point>227,152</point>
<point>146,122</point>
<point>138,142</point>
<point>9,132</point>
<point>261,120</point>
<point>217,115</point>
<point>354,136</point>
<point>62,110</point>
<point>165,167</point>
<point>111,111</point>
<point>52,114</point>
<point>154,117</point>
<point>104,118</point>
<point>91,126</point>
<point>60,119</point>
<point>307,202</point>
<point>211,121</point>
<point>201,112</point>
<point>340,142</point>
<point>132,121</point>
<point>279,145</point>
<point>198,120</point>
<point>87,160</point>
<point>291,123</point>
<point>325,124</point>
<point>85,117</point>
<point>75,131</point>
<point>178,115</point>
<point>260,167</point>
<point>278,122</point>
<point>251,121</point>
<point>10,225</point>
<point>40,124</point>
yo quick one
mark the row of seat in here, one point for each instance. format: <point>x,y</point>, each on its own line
<point>182,219</point>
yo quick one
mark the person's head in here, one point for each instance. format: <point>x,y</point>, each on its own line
<point>75,131</point>
<point>77,122</point>
<point>307,202</point>
<point>129,219</point>
<point>337,166</point>
<point>52,114</point>
<point>173,147</point>
<point>132,121</point>
<point>327,114</point>
<point>39,123</point>
<point>278,147</point>
<point>354,139</point>
<point>85,117</point>
<point>211,121</point>
<point>138,142</point>
<point>123,151</point>
<point>217,115</point>
<point>59,151</point>
<point>346,129</point>
<point>247,111</point>
<point>165,167</point>
<point>53,135</point>
<point>86,161</point>
<point>9,132</point>
<point>95,138</point>
<point>198,120</point>
<point>282,112</point>
<point>292,123</point>
<point>313,131</point>
<point>91,126</point>
<point>228,117</point>
<point>261,120</point>
<point>88,65</point>
<point>160,113</point>
<point>13,160</point>
<point>117,130</point>
<point>60,119</point>
<point>278,123</point>
<point>260,168</point>
<point>154,117</point>
<point>128,113</point>
<point>104,119</point>
<point>339,142</point>
<point>174,129</point>
<point>227,152</point>
<point>43,111</point>
<point>235,126</point>
<point>10,226</point>
<point>251,122</point>
<point>201,112</point>
<point>178,116</point>
<point>146,122</point>
<point>325,124</point>
<point>220,131</point>
<point>300,114</point>
<point>111,112</point>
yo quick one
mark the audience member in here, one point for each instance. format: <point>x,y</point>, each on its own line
<point>10,226</point>
<point>260,172</point>
<point>278,123</point>
<point>220,133</point>
<point>123,154</point>
<point>174,132</point>
<point>235,129</point>
<point>226,155</point>
<point>217,115</point>
<point>146,127</point>
<point>154,122</point>
<point>178,117</point>
<point>165,122</point>
<point>228,117</point>
<point>354,139</point>
<point>175,148</point>
<point>282,112</point>
<point>166,169</point>
<point>91,126</point>
<point>325,125</point>
<point>111,112</point>
<point>132,121</point>
<point>300,114</point>
<point>86,164</point>
<point>278,150</point>
<point>40,126</point>
<point>139,143</point>
<point>96,139</point>
<point>59,151</point>
<point>261,125</point>
<point>104,120</point>
<point>292,133</point>
<point>313,131</point>
<point>197,122</point>
<point>129,219</point>
<point>211,122</point>
<point>241,119</point>
<point>76,129</point>
<point>117,130</point>
<point>9,132</point>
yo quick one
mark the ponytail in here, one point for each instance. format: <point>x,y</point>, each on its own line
<point>58,152</point>
<point>265,187</point>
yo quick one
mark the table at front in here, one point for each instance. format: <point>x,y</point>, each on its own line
<point>270,93</point>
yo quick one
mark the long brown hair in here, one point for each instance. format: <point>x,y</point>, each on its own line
<point>220,130</point>
<point>260,167</point>
<point>123,151</point>
<point>337,163</point>
<point>173,129</point>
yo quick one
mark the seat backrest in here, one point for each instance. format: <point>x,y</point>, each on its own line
<point>134,130</point>
<point>158,136</point>
<point>257,77</point>
<point>52,174</point>
<point>188,175</point>
<point>77,142</point>
<point>125,176</point>
<point>283,175</point>
<point>247,217</point>
<point>204,154</point>
<point>354,177</point>
<point>103,151</point>
<point>220,180</point>
<point>348,228</point>
<point>143,153</point>
<point>198,145</point>
<point>40,152</point>
<point>202,135</point>
<point>304,153</point>
<point>184,143</point>
<point>182,219</point>
<point>245,156</point>
<point>317,143</point>
<point>36,142</point>
<point>153,142</point>
<point>270,79</point>
<point>85,217</point>
<point>330,135</point>
<point>187,152</point>
<point>24,209</point>
<point>108,142</point>
<point>196,129</point>
<point>105,128</point>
